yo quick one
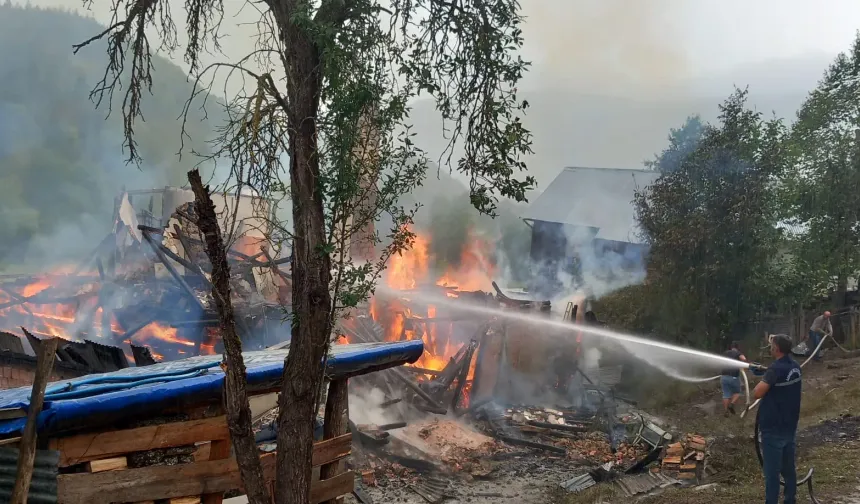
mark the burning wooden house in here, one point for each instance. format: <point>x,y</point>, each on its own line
<point>147,282</point>
<point>472,350</point>
<point>159,432</point>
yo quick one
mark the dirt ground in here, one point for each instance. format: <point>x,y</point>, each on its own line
<point>828,440</point>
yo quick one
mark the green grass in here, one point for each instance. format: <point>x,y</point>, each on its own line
<point>837,466</point>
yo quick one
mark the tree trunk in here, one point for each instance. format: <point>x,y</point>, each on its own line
<point>311,265</point>
<point>236,400</point>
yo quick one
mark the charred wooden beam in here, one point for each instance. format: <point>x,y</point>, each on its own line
<point>560,427</point>
<point>390,402</point>
<point>271,263</point>
<point>142,356</point>
<point>391,426</point>
<point>187,248</point>
<point>176,276</point>
<point>418,370</point>
<point>434,407</point>
<point>148,320</point>
<point>543,306</point>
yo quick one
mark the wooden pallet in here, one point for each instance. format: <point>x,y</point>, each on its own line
<point>213,471</point>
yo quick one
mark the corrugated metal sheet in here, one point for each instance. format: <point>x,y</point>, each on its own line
<point>643,483</point>
<point>578,483</point>
<point>599,198</point>
<point>43,486</point>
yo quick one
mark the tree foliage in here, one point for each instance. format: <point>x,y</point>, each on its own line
<point>710,221</point>
<point>682,142</point>
<point>823,186</point>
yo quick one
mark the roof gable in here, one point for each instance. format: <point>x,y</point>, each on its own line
<point>601,198</point>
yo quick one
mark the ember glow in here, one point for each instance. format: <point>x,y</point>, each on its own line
<point>405,320</point>
<point>67,307</point>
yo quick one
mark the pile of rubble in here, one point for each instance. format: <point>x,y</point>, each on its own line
<point>684,462</point>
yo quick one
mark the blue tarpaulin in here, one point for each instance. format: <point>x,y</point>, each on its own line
<point>144,391</point>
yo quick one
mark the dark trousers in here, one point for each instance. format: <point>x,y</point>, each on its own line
<point>778,453</point>
<point>814,340</point>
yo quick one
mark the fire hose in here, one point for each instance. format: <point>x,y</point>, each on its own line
<point>811,355</point>
<point>807,480</point>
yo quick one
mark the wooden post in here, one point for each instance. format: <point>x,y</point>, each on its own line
<point>46,354</point>
<point>218,450</point>
<point>336,424</point>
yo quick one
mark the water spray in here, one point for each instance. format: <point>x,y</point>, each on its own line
<point>629,341</point>
<point>634,344</point>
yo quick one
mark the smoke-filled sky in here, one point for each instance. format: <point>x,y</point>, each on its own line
<point>617,45</point>
<point>610,77</point>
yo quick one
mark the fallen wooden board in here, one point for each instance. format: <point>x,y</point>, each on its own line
<point>196,478</point>
<point>111,464</point>
<point>85,447</point>
<point>329,489</point>
<point>332,450</point>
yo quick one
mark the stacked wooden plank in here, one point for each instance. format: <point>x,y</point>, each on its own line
<point>685,459</point>
<point>96,467</point>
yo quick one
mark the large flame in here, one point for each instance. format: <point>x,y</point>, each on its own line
<point>412,270</point>
<point>79,315</point>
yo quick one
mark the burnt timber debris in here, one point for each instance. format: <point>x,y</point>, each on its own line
<point>146,286</point>
<point>571,413</point>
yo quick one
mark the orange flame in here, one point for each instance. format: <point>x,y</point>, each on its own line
<point>410,270</point>
<point>64,320</point>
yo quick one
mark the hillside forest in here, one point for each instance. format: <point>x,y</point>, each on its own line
<point>61,159</point>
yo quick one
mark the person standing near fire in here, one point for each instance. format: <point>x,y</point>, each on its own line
<point>779,412</point>
<point>820,328</point>
<point>730,380</point>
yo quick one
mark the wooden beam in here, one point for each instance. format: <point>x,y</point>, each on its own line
<point>219,450</point>
<point>184,500</point>
<point>111,464</point>
<point>336,425</point>
<point>331,489</point>
<point>165,482</point>
<point>46,356</point>
<point>331,450</point>
<point>85,447</point>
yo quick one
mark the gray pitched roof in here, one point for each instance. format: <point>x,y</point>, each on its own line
<point>593,197</point>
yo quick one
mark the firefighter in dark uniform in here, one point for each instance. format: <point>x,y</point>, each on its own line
<point>779,413</point>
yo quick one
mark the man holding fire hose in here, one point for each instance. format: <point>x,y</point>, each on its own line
<point>779,413</point>
<point>820,328</point>
<point>730,380</point>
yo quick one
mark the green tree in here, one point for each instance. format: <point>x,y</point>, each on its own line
<point>337,108</point>
<point>682,142</point>
<point>711,226</point>
<point>824,182</point>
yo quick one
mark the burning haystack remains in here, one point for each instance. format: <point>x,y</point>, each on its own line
<point>147,283</point>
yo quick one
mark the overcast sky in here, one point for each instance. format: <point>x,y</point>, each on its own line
<point>654,62</point>
<point>620,46</point>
